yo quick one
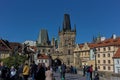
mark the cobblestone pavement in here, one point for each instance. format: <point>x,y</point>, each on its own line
<point>79,76</point>
<point>102,78</point>
<point>69,76</point>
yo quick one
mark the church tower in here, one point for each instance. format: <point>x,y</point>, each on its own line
<point>67,37</point>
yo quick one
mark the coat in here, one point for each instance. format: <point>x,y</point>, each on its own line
<point>49,75</point>
<point>40,74</point>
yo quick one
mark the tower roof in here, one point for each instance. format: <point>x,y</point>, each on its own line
<point>43,37</point>
<point>66,23</point>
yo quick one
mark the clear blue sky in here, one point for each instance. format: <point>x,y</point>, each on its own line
<point>22,20</point>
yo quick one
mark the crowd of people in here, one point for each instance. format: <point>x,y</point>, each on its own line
<point>25,71</point>
<point>33,71</point>
<point>88,72</point>
<point>41,72</point>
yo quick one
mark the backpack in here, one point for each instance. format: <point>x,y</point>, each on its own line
<point>87,69</point>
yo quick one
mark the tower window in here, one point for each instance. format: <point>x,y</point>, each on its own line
<point>68,52</point>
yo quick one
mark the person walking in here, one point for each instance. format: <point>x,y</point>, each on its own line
<point>4,72</point>
<point>87,72</point>
<point>19,72</point>
<point>26,71</point>
<point>33,70</point>
<point>96,77</point>
<point>84,70</point>
<point>40,75</point>
<point>63,70</point>
<point>91,70</point>
<point>12,73</point>
<point>49,74</point>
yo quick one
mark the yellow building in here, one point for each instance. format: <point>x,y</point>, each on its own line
<point>105,51</point>
<point>82,55</point>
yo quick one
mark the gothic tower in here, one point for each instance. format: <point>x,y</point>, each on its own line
<point>43,43</point>
<point>67,37</point>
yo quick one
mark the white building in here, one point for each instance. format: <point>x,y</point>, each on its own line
<point>30,43</point>
<point>42,58</point>
<point>116,59</point>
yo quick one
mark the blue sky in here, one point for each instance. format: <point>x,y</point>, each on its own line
<point>22,20</point>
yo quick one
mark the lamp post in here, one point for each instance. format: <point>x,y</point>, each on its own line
<point>78,60</point>
<point>94,50</point>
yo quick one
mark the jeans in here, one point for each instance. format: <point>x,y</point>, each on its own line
<point>33,76</point>
<point>87,75</point>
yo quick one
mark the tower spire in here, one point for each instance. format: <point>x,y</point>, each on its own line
<point>66,23</point>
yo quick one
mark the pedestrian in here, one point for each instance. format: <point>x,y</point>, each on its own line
<point>12,73</point>
<point>49,74</point>
<point>26,71</point>
<point>19,72</point>
<point>84,69</point>
<point>87,72</point>
<point>91,71</point>
<point>71,69</point>
<point>3,70</point>
<point>75,70</point>
<point>40,75</point>
<point>63,70</point>
<point>33,70</point>
<point>96,77</point>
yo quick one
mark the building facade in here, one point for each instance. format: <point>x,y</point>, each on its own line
<point>8,49</point>
<point>105,51</point>
<point>5,49</point>
<point>84,55</point>
<point>116,59</point>
<point>42,58</point>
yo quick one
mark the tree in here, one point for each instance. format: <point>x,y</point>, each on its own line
<point>14,60</point>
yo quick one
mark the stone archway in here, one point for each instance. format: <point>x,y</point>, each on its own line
<point>57,62</point>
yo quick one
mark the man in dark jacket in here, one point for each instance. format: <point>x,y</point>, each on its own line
<point>33,70</point>
<point>63,70</point>
<point>40,72</point>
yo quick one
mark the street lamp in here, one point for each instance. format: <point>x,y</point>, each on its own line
<point>94,50</point>
<point>78,59</point>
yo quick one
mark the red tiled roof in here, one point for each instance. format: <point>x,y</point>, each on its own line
<point>110,42</point>
<point>117,54</point>
<point>4,46</point>
<point>13,45</point>
<point>107,42</point>
<point>43,56</point>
